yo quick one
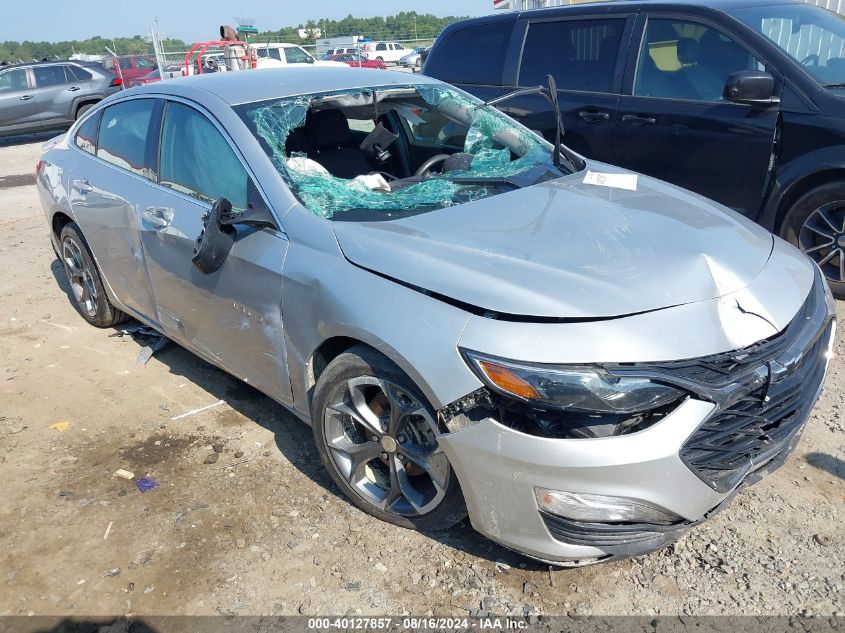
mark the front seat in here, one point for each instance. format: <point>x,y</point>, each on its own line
<point>329,132</point>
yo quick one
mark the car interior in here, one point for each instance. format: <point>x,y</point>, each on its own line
<point>685,61</point>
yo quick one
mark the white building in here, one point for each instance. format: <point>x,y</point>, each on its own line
<point>525,5</point>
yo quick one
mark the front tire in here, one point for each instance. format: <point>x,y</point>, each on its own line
<point>816,225</point>
<point>376,435</point>
<point>86,286</point>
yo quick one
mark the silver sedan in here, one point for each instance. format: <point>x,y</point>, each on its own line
<point>584,360</point>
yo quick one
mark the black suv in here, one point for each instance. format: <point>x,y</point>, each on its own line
<point>743,102</point>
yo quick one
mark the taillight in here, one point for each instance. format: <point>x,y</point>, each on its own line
<point>117,81</point>
<point>38,167</point>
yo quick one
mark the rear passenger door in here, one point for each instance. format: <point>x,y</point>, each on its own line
<point>674,123</point>
<point>108,181</point>
<point>586,56</point>
<point>55,94</point>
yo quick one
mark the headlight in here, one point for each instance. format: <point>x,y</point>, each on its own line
<point>582,389</point>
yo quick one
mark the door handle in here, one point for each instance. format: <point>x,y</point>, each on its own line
<point>158,217</point>
<point>636,118</point>
<point>74,88</point>
<point>593,117</point>
<point>26,97</point>
<point>83,186</point>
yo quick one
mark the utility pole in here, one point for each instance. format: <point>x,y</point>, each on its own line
<point>415,28</point>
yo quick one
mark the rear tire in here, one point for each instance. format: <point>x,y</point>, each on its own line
<point>86,286</point>
<point>82,110</point>
<point>816,225</point>
<point>375,432</point>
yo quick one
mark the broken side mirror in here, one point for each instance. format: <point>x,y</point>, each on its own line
<point>753,87</point>
<point>216,240</point>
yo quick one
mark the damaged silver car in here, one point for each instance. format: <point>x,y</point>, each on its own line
<point>584,360</point>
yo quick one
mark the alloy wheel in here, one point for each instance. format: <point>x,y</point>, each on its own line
<point>822,237</point>
<point>79,275</point>
<point>381,440</point>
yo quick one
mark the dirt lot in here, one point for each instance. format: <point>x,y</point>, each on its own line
<point>265,532</point>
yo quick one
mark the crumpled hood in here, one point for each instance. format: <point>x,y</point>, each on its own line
<point>566,249</point>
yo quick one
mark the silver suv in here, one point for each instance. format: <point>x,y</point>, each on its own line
<point>50,95</point>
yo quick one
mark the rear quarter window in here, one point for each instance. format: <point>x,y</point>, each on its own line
<point>122,138</point>
<point>472,55</point>
<point>86,135</point>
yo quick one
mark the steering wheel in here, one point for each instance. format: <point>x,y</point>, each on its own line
<point>425,168</point>
<point>810,60</point>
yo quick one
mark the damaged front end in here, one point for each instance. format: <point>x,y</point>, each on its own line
<point>577,464</point>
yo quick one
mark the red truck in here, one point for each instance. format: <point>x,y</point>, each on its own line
<point>129,67</point>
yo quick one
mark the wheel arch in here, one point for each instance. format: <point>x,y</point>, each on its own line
<point>84,101</point>
<point>801,187</point>
<point>59,221</point>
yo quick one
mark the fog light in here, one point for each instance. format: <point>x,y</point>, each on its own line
<point>579,506</point>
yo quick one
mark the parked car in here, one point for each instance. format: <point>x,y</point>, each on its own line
<point>743,104</point>
<point>288,55</point>
<point>150,78</point>
<point>357,61</point>
<point>49,95</point>
<point>388,52</point>
<point>412,59</point>
<point>129,67</point>
<point>494,327</point>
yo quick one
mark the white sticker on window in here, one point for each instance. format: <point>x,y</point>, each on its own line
<point>616,181</point>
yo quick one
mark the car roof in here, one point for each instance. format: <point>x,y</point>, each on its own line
<point>43,63</point>
<point>616,6</point>
<point>276,83</point>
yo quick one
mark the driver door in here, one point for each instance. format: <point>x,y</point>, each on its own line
<point>231,317</point>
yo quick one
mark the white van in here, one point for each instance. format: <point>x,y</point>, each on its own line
<point>272,55</point>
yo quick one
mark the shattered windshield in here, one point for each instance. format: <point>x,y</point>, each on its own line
<point>395,149</point>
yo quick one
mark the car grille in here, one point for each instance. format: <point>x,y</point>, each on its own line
<point>753,429</point>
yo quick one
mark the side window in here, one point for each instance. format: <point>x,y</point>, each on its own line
<point>585,54</point>
<point>381,47</point>
<point>13,80</point>
<point>46,76</point>
<point>680,59</point>
<point>474,55</point>
<point>431,129</point>
<point>295,55</point>
<point>86,135</point>
<point>122,138</point>
<point>196,159</point>
<point>125,63</point>
<point>399,47</point>
<point>77,73</point>
<point>142,62</point>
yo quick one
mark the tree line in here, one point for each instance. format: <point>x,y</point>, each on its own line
<point>405,25</point>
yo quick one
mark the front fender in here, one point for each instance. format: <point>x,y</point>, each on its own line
<point>325,296</point>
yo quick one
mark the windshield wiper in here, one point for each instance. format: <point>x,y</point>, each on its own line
<point>550,93</point>
<point>842,85</point>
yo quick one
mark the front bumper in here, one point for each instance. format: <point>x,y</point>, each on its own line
<point>691,462</point>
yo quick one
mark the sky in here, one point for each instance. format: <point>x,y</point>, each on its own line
<point>56,20</point>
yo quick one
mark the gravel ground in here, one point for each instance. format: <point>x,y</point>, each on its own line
<point>258,528</point>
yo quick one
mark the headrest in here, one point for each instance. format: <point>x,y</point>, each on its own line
<point>298,141</point>
<point>689,52</point>
<point>327,127</point>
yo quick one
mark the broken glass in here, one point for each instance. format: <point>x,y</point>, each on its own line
<point>491,139</point>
